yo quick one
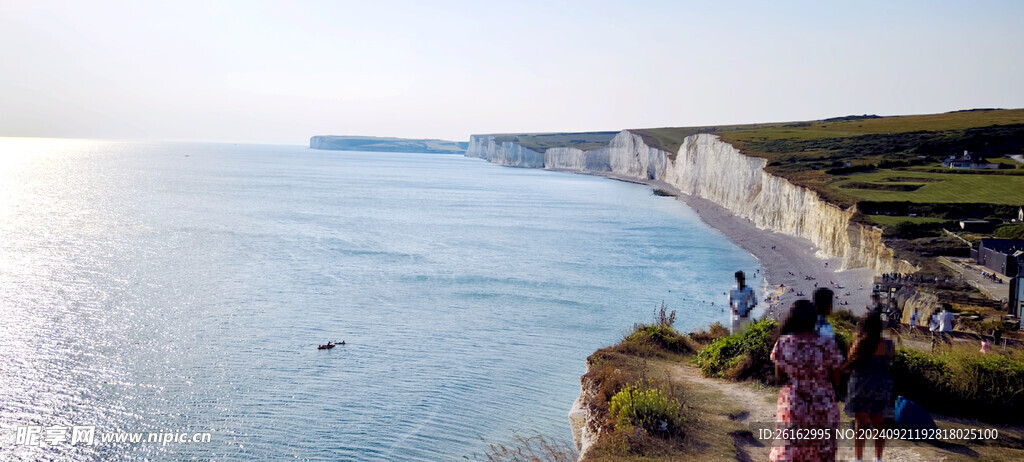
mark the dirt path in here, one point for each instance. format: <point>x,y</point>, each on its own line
<point>758,406</point>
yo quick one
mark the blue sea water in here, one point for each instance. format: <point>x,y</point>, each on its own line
<point>183,287</point>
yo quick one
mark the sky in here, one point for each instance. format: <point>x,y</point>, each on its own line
<point>280,72</point>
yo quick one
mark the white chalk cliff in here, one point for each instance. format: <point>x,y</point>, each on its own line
<point>709,168</point>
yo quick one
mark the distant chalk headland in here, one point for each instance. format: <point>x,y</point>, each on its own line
<point>386,144</point>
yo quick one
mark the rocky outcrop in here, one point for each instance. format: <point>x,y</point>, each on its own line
<point>709,168</point>
<point>579,421</point>
<point>912,301</point>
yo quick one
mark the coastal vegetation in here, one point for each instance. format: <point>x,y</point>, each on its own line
<point>535,448</point>
<point>741,356</point>
<point>645,407</point>
<point>960,381</point>
<point>921,187</point>
<point>1010,232</point>
<point>643,415</point>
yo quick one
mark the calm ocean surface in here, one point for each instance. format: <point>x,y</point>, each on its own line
<point>184,287</point>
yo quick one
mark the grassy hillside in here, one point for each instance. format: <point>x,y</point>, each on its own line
<point>885,185</point>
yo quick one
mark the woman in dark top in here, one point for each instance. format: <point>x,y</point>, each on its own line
<point>869,398</point>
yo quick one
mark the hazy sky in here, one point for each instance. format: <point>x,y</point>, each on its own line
<point>278,72</point>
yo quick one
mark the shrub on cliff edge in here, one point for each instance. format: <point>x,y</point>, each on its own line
<point>654,340</point>
<point>657,339</point>
<point>741,356</point>
<point>644,406</point>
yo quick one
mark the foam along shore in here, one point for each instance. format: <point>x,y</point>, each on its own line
<point>787,261</point>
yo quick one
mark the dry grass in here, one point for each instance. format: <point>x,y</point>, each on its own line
<point>536,448</point>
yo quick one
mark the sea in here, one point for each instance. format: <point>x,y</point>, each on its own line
<point>182,289</point>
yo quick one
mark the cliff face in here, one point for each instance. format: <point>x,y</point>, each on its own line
<point>508,154</point>
<point>579,421</point>
<point>709,168</point>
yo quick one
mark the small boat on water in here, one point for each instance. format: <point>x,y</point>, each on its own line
<point>329,345</point>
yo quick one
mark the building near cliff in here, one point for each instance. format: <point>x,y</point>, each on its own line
<point>1004,256</point>
<point>969,162</point>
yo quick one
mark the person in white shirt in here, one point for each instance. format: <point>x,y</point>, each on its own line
<point>742,300</point>
<point>942,326</point>
<point>946,319</point>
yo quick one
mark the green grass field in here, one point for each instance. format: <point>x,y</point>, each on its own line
<point>937,187</point>
<point>541,142</point>
<point>885,220</point>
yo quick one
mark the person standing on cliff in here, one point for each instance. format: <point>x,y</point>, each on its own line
<point>742,300</point>
<point>946,321</point>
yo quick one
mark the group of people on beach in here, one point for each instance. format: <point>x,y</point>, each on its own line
<point>809,364</point>
<point>912,278</point>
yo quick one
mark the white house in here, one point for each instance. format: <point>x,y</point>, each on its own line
<point>968,161</point>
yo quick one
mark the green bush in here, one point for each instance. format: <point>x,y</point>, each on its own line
<point>712,333</point>
<point>844,324</point>
<point>645,407</point>
<point>1015,231</point>
<point>746,355</point>
<point>654,340</point>
<point>962,383</point>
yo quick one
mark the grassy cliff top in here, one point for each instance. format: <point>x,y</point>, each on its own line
<point>541,142</point>
<point>670,138</point>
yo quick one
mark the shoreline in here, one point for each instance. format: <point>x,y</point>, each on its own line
<point>785,260</point>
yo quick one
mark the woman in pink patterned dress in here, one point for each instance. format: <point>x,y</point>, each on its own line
<point>807,365</point>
